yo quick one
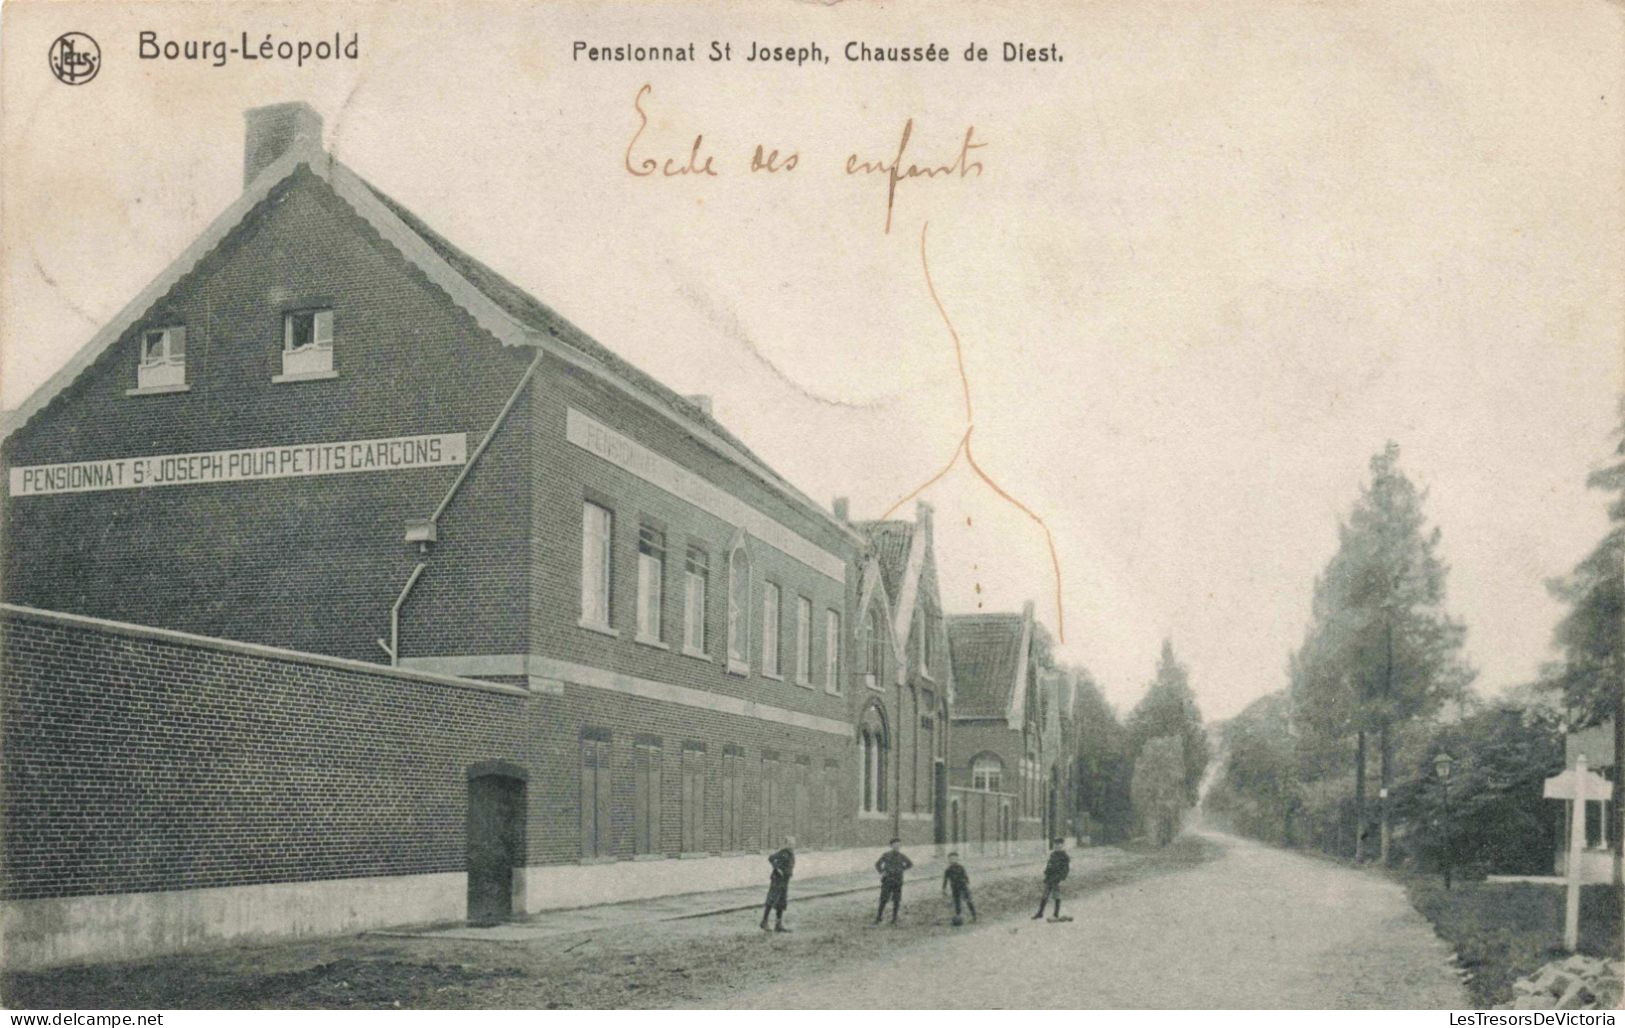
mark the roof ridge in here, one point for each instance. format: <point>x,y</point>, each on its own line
<point>525,308</point>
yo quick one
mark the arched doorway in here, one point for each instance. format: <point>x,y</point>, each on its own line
<point>495,839</point>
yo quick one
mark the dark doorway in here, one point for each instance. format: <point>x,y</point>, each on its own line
<point>939,803</point>
<point>496,811</point>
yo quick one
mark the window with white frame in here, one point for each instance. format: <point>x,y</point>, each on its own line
<point>307,343</point>
<point>651,582</point>
<point>987,773</point>
<point>596,527</point>
<point>832,652</point>
<point>772,629</point>
<point>738,610</point>
<point>696,587</point>
<point>803,640</point>
<point>163,358</point>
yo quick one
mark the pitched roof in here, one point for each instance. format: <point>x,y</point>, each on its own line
<point>986,650</point>
<point>890,541</point>
<point>537,315</point>
<point>502,308</point>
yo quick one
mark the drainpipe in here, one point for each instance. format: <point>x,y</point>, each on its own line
<point>393,649</point>
<point>897,799</point>
<point>426,532</point>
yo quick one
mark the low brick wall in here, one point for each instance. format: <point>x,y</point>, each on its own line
<point>161,790</point>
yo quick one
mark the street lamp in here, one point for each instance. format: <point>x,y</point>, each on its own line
<point>1441,767</point>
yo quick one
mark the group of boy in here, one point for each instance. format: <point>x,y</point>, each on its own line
<point>891,867</point>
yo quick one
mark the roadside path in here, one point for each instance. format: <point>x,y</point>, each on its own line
<point>1257,928</point>
<point>927,873</point>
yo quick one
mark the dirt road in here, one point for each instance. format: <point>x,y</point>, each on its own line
<point>1256,928</point>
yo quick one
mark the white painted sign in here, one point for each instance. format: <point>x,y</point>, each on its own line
<point>260,462</point>
<point>1561,786</point>
<point>597,438</point>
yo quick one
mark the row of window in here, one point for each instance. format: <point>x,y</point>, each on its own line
<point>874,752</point>
<point>307,351</point>
<point>784,800</point>
<point>987,774</point>
<point>597,604</point>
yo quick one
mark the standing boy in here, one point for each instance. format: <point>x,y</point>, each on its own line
<point>891,866</point>
<point>778,886</point>
<point>1055,872</point>
<point>956,877</point>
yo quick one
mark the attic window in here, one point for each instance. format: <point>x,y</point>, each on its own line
<point>163,358</point>
<point>307,345</point>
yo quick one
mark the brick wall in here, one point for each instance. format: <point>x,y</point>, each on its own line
<point>310,563</point>
<point>135,763</point>
<point>555,783</point>
<point>573,475</point>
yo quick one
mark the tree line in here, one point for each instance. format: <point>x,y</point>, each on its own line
<point>1379,688</point>
<point>1139,775</point>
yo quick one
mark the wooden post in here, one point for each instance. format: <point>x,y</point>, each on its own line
<point>1577,842</point>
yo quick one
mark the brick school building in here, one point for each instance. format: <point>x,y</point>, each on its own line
<point>347,584</point>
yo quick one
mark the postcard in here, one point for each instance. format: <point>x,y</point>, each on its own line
<point>1109,506</point>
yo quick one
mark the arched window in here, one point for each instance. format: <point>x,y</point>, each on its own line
<point>876,745</point>
<point>987,773</point>
<point>882,760</point>
<point>738,608</point>
<point>874,647</point>
<point>868,771</point>
<point>1029,782</point>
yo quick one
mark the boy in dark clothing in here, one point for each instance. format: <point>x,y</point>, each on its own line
<point>778,886</point>
<point>891,866</point>
<point>956,877</point>
<point>1054,873</point>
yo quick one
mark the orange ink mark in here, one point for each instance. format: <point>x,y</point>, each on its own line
<point>964,448</point>
<point>963,164</point>
<point>646,167</point>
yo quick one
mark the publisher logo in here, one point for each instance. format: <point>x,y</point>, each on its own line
<point>75,58</point>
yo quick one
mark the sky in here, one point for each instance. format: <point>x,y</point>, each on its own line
<point>1212,261</point>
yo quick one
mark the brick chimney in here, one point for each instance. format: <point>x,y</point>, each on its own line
<point>702,401</point>
<point>842,512</point>
<point>922,519</point>
<point>275,130</point>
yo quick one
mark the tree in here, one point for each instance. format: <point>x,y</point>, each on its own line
<point>1169,709</point>
<point>1101,764</point>
<point>1498,820</point>
<point>1258,788</point>
<point>1381,650</point>
<point>1158,788</point>
<point>1591,676</point>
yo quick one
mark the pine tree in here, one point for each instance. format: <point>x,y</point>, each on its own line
<point>1169,709</point>
<point>1381,650</point>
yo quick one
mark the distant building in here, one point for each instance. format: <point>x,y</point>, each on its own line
<point>910,711</point>
<point>999,785</point>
